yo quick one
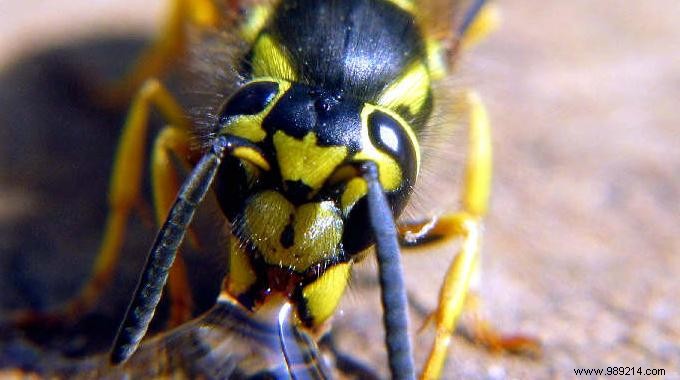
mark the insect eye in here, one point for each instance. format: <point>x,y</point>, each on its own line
<point>389,135</point>
<point>250,100</point>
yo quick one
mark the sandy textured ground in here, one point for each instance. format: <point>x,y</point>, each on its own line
<point>583,239</point>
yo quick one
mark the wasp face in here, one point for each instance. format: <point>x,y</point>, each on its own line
<point>308,135</point>
<point>304,129</point>
<point>297,227</point>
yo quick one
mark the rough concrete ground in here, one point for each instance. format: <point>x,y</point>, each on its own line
<point>582,240</point>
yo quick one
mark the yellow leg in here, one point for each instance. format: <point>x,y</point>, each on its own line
<point>126,176</point>
<point>168,47</point>
<point>456,285</point>
<point>466,225</point>
<point>125,188</point>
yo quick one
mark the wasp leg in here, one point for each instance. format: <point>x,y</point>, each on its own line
<point>126,184</point>
<point>124,195</point>
<point>466,225</point>
<point>165,50</point>
<point>456,283</point>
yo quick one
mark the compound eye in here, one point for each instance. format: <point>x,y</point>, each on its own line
<point>251,99</point>
<point>389,135</point>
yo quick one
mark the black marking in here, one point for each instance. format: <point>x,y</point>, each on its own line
<point>297,192</point>
<point>357,235</point>
<point>232,187</point>
<point>333,117</point>
<point>249,100</point>
<point>302,307</point>
<point>389,136</point>
<point>287,239</point>
<point>294,113</point>
<point>422,240</point>
<point>419,120</point>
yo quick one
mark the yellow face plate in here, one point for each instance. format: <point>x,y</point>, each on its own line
<point>304,160</point>
<point>289,236</point>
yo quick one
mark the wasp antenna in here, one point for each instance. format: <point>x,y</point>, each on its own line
<point>162,253</point>
<point>392,288</point>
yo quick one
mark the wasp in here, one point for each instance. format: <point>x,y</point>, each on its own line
<point>312,157</point>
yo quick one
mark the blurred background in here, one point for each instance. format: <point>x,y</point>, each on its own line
<point>582,244</point>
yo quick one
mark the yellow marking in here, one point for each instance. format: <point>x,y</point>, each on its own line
<point>317,230</point>
<point>258,16</point>
<point>269,60</point>
<point>304,160</point>
<point>241,275</point>
<point>436,59</point>
<point>249,127</point>
<point>343,174</point>
<point>253,156</point>
<point>388,169</point>
<point>356,188</point>
<point>410,90</point>
<point>265,217</point>
<point>324,294</point>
